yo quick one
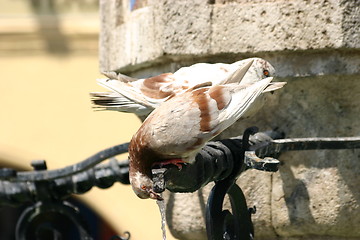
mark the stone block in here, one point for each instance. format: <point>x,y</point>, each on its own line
<point>127,38</point>
<point>276,26</point>
<point>183,27</point>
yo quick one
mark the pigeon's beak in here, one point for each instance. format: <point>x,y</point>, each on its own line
<point>155,196</point>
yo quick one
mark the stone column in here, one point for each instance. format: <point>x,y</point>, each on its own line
<point>314,46</point>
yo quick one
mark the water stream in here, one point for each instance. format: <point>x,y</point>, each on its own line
<point>161,205</point>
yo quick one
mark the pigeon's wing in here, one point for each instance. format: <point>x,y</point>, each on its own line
<point>216,73</point>
<point>183,124</point>
<point>203,72</point>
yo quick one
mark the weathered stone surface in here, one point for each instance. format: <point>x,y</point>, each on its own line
<point>164,31</point>
<point>351,23</point>
<point>193,225</point>
<point>315,192</point>
<point>316,200</point>
<point>276,26</point>
<point>127,38</point>
<point>183,27</point>
<point>314,46</point>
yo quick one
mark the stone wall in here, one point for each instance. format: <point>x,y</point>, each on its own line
<point>315,47</point>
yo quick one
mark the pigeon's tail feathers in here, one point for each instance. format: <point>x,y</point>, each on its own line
<point>116,102</point>
<point>130,92</point>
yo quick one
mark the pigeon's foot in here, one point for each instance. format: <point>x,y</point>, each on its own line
<point>178,162</point>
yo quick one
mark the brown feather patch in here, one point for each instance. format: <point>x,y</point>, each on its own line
<point>141,155</point>
<point>151,86</point>
<point>155,82</point>
<point>217,94</point>
<point>201,99</point>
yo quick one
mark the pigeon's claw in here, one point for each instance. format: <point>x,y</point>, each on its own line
<point>178,162</point>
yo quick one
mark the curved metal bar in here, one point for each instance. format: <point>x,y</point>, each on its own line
<point>204,170</point>
<point>102,176</point>
<point>241,213</point>
<point>51,220</point>
<point>221,224</point>
<point>72,169</point>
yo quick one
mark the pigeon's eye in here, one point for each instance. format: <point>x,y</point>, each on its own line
<point>266,73</point>
<point>143,187</point>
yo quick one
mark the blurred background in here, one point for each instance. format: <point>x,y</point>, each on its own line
<point>49,63</point>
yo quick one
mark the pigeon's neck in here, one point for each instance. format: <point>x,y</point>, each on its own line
<point>139,163</point>
<point>141,158</point>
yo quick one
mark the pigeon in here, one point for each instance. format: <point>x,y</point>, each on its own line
<point>176,130</point>
<point>141,96</point>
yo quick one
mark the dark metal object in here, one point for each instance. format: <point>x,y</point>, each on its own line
<point>223,224</point>
<point>217,160</point>
<point>275,147</point>
<point>7,173</point>
<point>49,218</point>
<point>237,224</point>
<point>52,220</point>
<point>267,164</point>
<point>46,189</point>
<point>73,169</point>
<point>102,176</point>
<point>159,180</point>
<point>213,163</point>
<point>220,161</point>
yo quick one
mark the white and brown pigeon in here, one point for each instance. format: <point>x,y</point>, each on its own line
<point>178,128</point>
<point>141,96</point>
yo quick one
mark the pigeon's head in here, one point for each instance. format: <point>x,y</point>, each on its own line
<point>260,69</point>
<point>264,68</point>
<point>142,185</point>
